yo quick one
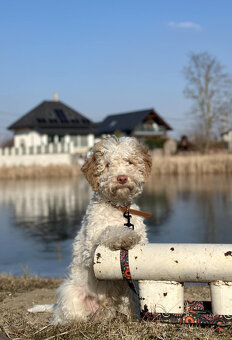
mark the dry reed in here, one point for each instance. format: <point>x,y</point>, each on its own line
<point>192,164</point>
<point>166,165</point>
<point>37,171</point>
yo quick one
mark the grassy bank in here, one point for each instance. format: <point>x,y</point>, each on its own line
<point>18,294</point>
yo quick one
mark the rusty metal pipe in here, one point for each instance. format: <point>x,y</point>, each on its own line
<point>168,262</point>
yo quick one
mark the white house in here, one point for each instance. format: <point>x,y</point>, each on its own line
<point>54,133</point>
<point>142,124</point>
<point>53,122</point>
<point>227,137</point>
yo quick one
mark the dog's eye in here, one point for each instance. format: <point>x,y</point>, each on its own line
<point>107,165</point>
<point>130,162</point>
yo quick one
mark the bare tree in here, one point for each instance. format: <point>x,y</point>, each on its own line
<point>225,119</point>
<point>208,86</point>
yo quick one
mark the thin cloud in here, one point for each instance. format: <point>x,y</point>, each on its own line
<point>185,25</point>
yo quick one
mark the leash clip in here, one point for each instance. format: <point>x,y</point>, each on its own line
<point>127,215</point>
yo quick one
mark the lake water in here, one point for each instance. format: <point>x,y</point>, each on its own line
<point>40,218</point>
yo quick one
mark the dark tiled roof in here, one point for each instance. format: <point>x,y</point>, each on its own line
<point>126,122</point>
<point>54,117</point>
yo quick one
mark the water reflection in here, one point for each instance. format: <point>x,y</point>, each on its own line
<point>193,209</point>
<point>53,210</point>
<point>50,209</point>
<point>39,218</point>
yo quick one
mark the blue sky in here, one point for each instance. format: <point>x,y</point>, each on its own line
<point>107,56</point>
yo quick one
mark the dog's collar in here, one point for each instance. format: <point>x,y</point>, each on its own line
<point>132,211</point>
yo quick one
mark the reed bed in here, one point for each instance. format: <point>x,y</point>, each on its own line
<point>192,164</point>
<point>37,171</point>
<point>162,165</point>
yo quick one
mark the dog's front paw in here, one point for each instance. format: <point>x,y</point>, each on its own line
<point>128,239</point>
<point>123,238</point>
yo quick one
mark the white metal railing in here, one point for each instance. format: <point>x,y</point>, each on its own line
<point>162,268</point>
<point>149,130</point>
<point>148,133</point>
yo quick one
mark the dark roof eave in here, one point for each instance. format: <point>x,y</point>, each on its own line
<point>66,131</point>
<point>168,127</point>
<point>11,127</point>
<point>28,119</point>
<point>128,121</point>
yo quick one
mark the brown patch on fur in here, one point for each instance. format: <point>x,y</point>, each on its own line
<point>89,169</point>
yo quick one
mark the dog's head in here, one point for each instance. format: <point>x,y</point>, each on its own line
<point>117,169</point>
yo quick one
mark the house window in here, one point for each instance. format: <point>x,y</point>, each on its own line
<point>22,143</point>
<point>155,126</point>
<point>50,139</point>
<point>74,140</point>
<point>84,120</point>
<point>41,120</point>
<point>61,139</point>
<point>84,141</point>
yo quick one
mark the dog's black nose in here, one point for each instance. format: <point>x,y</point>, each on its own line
<point>122,179</point>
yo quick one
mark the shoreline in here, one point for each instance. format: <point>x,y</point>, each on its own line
<point>193,164</point>
<point>19,293</point>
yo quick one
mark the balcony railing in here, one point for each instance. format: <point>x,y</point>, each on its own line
<point>146,130</point>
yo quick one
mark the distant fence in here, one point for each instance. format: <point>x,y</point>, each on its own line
<point>50,148</point>
<point>52,153</point>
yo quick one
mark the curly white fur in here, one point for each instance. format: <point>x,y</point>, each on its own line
<point>81,295</point>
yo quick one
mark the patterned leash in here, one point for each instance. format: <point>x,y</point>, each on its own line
<point>124,258</point>
<point>124,261</point>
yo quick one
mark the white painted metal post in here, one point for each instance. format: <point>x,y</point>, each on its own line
<point>161,269</point>
<point>221,295</point>
<point>161,296</point>
<point>169,262</point>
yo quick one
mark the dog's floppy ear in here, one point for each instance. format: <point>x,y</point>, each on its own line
<point>89,169</point>
<point>146,159</point>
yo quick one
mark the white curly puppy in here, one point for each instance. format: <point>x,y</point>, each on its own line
<point>116,169</point>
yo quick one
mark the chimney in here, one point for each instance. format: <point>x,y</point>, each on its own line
<point>55,97</point>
